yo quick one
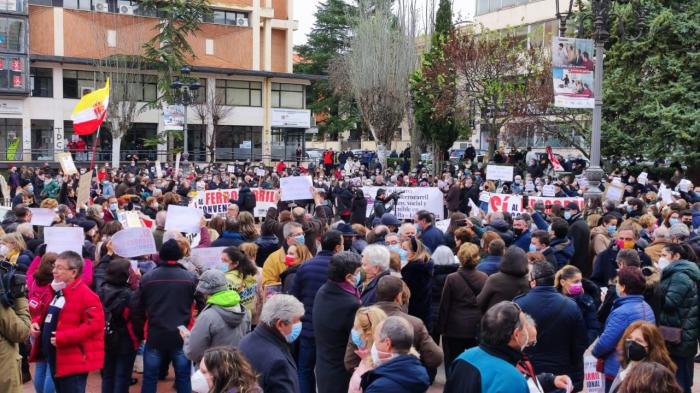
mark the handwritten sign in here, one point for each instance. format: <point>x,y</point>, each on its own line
<point>643,178</point>
<point>294,188</point>
<point>59,239</point>
<point>67,164</point>
<point>665,194</point>
<point>42,217</point>
<point>615,192</point>
<point>499,172</point>
<point>549,190</point>
<point>183,219</point>
<point>443,225</point>
<point>684,185</point>
<point>208,257</point>
<point>134,242</point>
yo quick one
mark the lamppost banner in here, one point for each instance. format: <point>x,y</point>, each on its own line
<point>572,72</point>
<point>173,117</point>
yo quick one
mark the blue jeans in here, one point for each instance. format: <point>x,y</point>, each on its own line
<point>306,364</point>
<point>42,378</point>
<point>71,383</point>
<point>116,373</point>
<point>151,367</point>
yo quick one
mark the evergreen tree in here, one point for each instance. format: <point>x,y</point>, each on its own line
<point>328,39</point>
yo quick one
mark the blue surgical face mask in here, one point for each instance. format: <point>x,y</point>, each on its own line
<point>567,215</point>
<point>30,189</point>
<point>294,334</point>
<point>418,228</point>
<point>629,209</point>
<point>612,229</point>
<point>533,248</point>
<point>398,250</point>
<point>224,267</point>
<point>299,239</point>
<point>113,206</point>
<point>358,278</point>
<point>357,339</point>
<point>673,221</point>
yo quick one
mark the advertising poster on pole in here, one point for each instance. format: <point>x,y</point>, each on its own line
<point>572,72</point>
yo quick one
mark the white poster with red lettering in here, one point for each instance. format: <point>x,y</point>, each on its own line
<point>506,203</point>
<point>551,201</point>
<point>216,201</point>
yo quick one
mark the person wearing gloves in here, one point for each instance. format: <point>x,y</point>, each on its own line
<point>222,322</point>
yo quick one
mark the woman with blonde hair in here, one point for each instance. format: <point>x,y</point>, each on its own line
<point>569,282</point>
<point>362,335</point>
<point>641,342</point>
<point>247,228</point>
<point>459,315</point>
<point>14,249</point>
<point>296,255</point>
<point>417,274</point>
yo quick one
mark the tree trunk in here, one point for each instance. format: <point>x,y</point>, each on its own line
<point>437,159</point>
<point>116,151</point>
<point>493,141</point>
<point>381,155</point>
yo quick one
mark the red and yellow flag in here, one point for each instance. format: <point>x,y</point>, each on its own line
<point>90,111</point>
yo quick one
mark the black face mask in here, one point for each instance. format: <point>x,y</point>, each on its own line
<point>634,351</point>
<point>517,231</point>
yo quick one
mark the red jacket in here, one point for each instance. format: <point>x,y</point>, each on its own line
<point>79,333</point>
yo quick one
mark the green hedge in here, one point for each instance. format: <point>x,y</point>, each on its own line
<point>662,173</point>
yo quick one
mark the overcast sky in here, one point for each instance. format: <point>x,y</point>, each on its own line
<point>304,11</point>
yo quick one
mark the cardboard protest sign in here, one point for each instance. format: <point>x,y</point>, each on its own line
<point>499,172</point>
<point>67,164</point>
<point>183,219</point>
<point>411,201</point>
<point>134,242</point>
<point>294,188</point>
<point>59,239</point>
<point>83,194</point>
<point>42,217</point>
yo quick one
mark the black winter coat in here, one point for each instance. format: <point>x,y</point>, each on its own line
<point>418,276</point>
<point>115,301</point>
<point>440,275</point>
<point>580,235</point>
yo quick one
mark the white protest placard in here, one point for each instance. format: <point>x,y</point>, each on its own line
<point>159,170</point>
<point>549,190</point>
<point>208,257</point>
<point>665,194</point>
<point>132,220</point>
<point>84,184</point>
<point>42,217</point>
<point>642,178</point>
<point>474,210</point>
<point>294,188</point>
<point>177,163</point>
<point>59,239</point>
<point>594,382</point>
<point>614,192</point>
<point>134,242</point>
<point>183,219</point>
<point>484,197</point>
<point>5,189</point>
<point>529,186</point>
<point>230,168</point>
<point>67,164</point>
<point>443,224</point>
<point>617,180</point>
<point>411,200</point>
<point>499,172</point>
<point>259,172</point>
<point>684,185</point>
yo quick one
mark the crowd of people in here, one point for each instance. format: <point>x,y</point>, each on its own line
<point>324,295</point>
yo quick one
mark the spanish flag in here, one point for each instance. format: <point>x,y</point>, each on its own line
<point>90,111</point>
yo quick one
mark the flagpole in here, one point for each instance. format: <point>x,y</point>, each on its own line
<point>94,147</point>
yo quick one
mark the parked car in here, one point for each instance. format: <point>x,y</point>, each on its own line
<point>314,156</point>
<point>456,154</point>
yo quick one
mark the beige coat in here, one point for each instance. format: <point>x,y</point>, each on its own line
<point>14,329</point>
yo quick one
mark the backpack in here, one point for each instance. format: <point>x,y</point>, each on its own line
<point>112,326</point>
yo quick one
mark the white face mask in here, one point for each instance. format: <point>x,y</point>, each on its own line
<point>527,340</point>
<point>199,383</point>
<point>4,250</point>
<point>663,263</point>
<point>374,352</point>
<point>57,285</point>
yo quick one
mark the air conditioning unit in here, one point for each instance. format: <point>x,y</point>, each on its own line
<point>101,7</point>
<point>126,9</point>
<point>243,22</point>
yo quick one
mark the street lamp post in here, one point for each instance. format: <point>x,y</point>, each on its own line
<point>185,92</point>
<point>601,20</point>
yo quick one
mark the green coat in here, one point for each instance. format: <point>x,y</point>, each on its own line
<point>679,288</point>
<point>14,329</point>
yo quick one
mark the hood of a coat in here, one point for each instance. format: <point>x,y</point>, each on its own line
<point>683,266</point>
<point>405,371</point>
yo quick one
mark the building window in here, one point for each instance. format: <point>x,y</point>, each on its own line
<point>11,34</point>
<point>228,18</point>
<point>41,82</point>
<point>285,95</point>
<point>78,4</point>
<point>77,83</point>
<point>11,139</point>
<point>42,140</point>
<point>239,93</point>
<point>201,92</point>
<point>12,72</point>
<point>232,142</point>
<point>12,6</point>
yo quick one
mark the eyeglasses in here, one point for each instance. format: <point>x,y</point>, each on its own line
<point>57,267</point>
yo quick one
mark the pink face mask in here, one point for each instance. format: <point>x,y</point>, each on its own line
<point>576,289</point>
